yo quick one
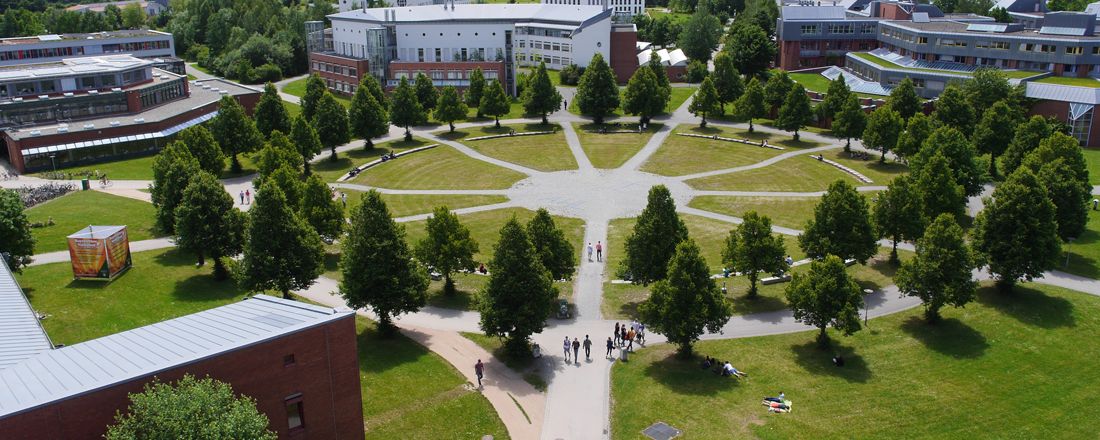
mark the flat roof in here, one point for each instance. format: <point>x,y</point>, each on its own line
<point>476,12</point>
<point>72,67</point>
<point>959,28</point>
<point>83,368</point>
<point>106,35</point>
<point>21,335</point>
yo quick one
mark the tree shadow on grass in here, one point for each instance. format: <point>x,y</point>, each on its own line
<point>948,336</point>
<point>685,376</point>
<point>816,360</point>
<point>379,353</point>
<point>705,130</point>
<point>1029,306</point>
<point>745,305</point>
<point>332,262</point>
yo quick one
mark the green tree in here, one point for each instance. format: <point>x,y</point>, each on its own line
<point>495,102</point>
<point>289,181</point>
<point>377,266</point>
<point>960,155</point>
<point>553,250</point>
<point>994,132</point>
<point>200,142</point>
<point>405,108</point>
<point>904,100</point>
<point>172,171</point>
<point>1000,15</point>
<point>841,226</point>
<point>1070,197</point>
<point>751,104</point>
<point>752,248</point>
<point>705,102</point>
<point>899,213</point>
<point>518,297</point>
<point>1059,146</point>
<point>939,193</point>
<point>331,120</point>
<point>426,94</point>
<point>375,88</point>
<point>658,68</point>
<point>653,241</point>
<point>367,117</point>
<point>941,273</point>
<point>15,232</point>
<point>320,210</point>
<point>883,130</point>
<point>795,112</point>
<point>826,296</point>
<point>315,89</point>
<point>447,246</point>
<point>278,153</point>
<point>191,408</point>
<point>850,121</point>
<point>750,48</point>
<point>475,90</point>
<point>598,91</point>
<point>688,303</point>
<point>1025,139</point>
<point>1017,232</point>
<point>270,114</point>
<point>207,224</point>
<point>450,107</point>
<point>644,96</point>
<point>986,87</point>
<point>235,131</point>
<point>727,80</point>
<point>305,139</point>
<point>700,34</point>
<point>777,89</point>
<point>835,98</point>
<point>281,251</point>
<point>919,128</point>
<point>133,16</point>
<point>954,110</point>
<point>540,97</point>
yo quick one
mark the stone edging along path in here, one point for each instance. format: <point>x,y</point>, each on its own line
<point>742,141</point>
<point>373,163</point>
<point>854,173</point>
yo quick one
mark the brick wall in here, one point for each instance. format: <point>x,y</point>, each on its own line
<point>325,372</point>
<point>361,68</point>
<point>1060,110</point>
<point>624,54</point>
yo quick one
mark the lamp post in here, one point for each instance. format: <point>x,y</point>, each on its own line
<point>54,162</point>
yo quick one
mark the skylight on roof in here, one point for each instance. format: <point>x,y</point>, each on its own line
<point>987,27</point>
<point>1058,30</point>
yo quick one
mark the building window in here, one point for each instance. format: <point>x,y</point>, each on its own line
<point>809,29</point>
<point>840,28</point>
<point>1072,50</point>
<point>1079,128</point>
<point>420,55</point>
<point>922,40</point>
<point>438,55</point>
<point>288,360</point>
<point>1096,50</point>
<point>294,412</point>
<point>1048,48</point>
<point>1000,45</point>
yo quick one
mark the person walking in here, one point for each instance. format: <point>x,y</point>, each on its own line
<point>610,345</point>
<point>641,334</point>
<point>622,336</point>
<point>576,351</point>
<point>589,252</point>
<point>630,340</point>
<point>344,198</point>
<point>615,334</point>
<point>587,348</point>
<point>565,347</point>
<point>599,251</point>
<point>248,197</point>
<point>242,197</point>
<point>479,369</point>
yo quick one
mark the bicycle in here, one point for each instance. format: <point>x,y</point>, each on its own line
<point>105,182</point>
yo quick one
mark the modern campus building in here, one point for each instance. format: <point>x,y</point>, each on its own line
<point>150,7</point>
<point>153,45</point>
<point>298,361</point>
<point>627,8</point>
<point>877,44</point>
<point>91,109</point>
<point>447,42</point>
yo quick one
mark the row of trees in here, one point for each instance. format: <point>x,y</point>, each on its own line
<point>22,22</point>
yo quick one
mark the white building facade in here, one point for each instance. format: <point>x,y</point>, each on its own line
<point>621,7</point>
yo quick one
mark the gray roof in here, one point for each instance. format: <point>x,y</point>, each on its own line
<point>477,12</point>
<point>21,335</point>
<point>88,366</point>
<point>813,13</point>
<point>1063,93</point>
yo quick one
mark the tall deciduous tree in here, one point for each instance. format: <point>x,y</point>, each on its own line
<point>367,117</point>
<point>270,113</point>
<point>207,224</point>
<point>447,246</point>
<point>540,97</point>
<point>1059,146</point>
<point>835,98</point>
<point>281,251</point>
<point>687,303</point>
<point>939,193</point>
<point>650,246</point>
<point>841,226</point>
<point>727,80</point>
<point>777,89</point>
<point>986,87</point>
<point>1017,232</point>
<point>644,96</point>
<point>899,213</point>
<point>954,110</point>
<point>450,107</point>
<point>15,232</point>
<point>306,141</point>
<point>235,131</point>
<point>279,152</point>
<point>904,100</point>
<point>426,93</point>
<point>1025,139</point>
<point>826,296</point>
<point>315,89</point>
<point>705,102</point>
<point>700,34</point>
<point>751,49</point>
<point>200,142</point>
<point>375,88</point>
<point>751,104</point>
<point>553,250</point>
<point>475,90</point>
<point>960,155</point>
<point>405,108</point>
<point>495,103</point>
<point>331,121</point>
<point>320,211</point>
<point>172,171</point>
<point>884,126</point>
<point>795,112</point>
<point>660,73</point>
<point>518,297</point>
<point>850,121</point>
<point>1070,198</point>
<point>919,128</point>
<point>994,132</point>
<point>752,248</point>
<point>598,92</point>
<point>377,266</point>
<point>941,273</point>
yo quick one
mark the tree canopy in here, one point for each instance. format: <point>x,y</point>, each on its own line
<point>752,248</point>
<point>405,108</point>
<point>826,296</point>
<point>884,127</point>
<point>994,132</point>
<point>960,155</point>
<point>598,92</point>
<point>751,104</point>
<point>899,213</point>
<point>1017,232</point>
<point>1025,139</point>
<point>644,96</point>
<point>954,110</point>
<point>367,116</point>
<point>919,128</point>
<point>235,131</point>
<point>518,297</point>
<point>727,80</point>
<point>320,210</point>
<point>475,90</point>
<point>172,171</point>
<point>207,224</point>
<point>835,98</point>
<point>653,241</point>
<point>331,121</point>
<point>281,251</point>
<point>540,97</point>
<point>795,112</point>
<point>190,408</point>
<point>553,250</point>
<point>705,102</point>
<point>850,121</point>
<point>841,226</point>
<point>687,303</point>
<point>495,102</point>
<point>270,113</point>
<point>315,89</point>
<point>941,273</point>
<point>305,139</point>
<point>904,100</point>
<point>700,34</point>
<point>447,246</point>
<point>201,143</point>
<point>15,232</point>
<point>777,89</point>
<point>750,48</point>
<point>939,193</point>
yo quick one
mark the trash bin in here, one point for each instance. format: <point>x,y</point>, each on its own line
<point>623,353</point>
<point>84,185</point>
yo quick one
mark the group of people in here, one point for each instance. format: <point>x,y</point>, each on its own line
<point>576,345</point>
<point>390,156</point>
<point>246,197</point>
<point>778,404</point>
<point>599,251</point>
<point>725,369</point>
<point>625,336</point>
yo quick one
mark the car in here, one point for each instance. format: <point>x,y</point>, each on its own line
<point>565,311</point>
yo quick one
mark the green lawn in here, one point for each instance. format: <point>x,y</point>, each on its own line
<point>1084,258</point>
<point>1092,157</point>
<point>77,210</point>
<point>1005,366</point>
<point>613,149</point>
<point>515,112</point>
<point>815,82</point>
<point>442,167</point>
<point>1011,74</point>
<point>403,205</point>
<point>680,155</point>
<point>1070,81</point>
<point>879,172</point>
<point>292,109</point>
<point>791,212</point>
<point>331,170</point>
<point>799,173</point>
<point>679,95</point>
<point>548,152</point>
<point>141,168</point>
<point>298,88</point>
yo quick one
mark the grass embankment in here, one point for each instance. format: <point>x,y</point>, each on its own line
<point>802,173</point>
<point>75,211</point>
<point>791,212</point>
<point>681,155</point>
<point>1006,366</point>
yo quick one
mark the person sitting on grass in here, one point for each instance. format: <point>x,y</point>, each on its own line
<point>728,370</point>
<point>708,362</point>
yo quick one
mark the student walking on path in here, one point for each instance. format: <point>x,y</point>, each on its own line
<point>589,252</point>
<point>587,348</point>
<point>599,251</point>
<point>479,369</point>
<point>622,336</point>
<point>610,345</point>
<point>565,347</point>
<point>615,334</point>
<point>576,351</point>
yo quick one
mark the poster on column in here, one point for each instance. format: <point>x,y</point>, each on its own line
<point>99,252</point>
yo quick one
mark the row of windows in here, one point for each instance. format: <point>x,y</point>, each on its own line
<point>546,45</point>
<point>134,47</point>
<point>986,44</point>
<point>334,68</point>
<point>64,109</point>
<point>536,58</point>
<point>341,86</point>
<point>57,52</point>
<point>162,93</point>
<point>443,74</point>
<point>31,88</point>
<point>838,28</point>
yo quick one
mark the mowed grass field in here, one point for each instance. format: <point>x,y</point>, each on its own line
<point>546,152</point>
<point>1084,252</point>
<point>791,212</point>
<point>331,170</point>
<point>799,173</point>
<point>611,150</point>
<point>404,205</point>
<point>442,167</point>
<point>681,155</point>
<point>141,168</point>
<point>1007,366</point>
<point>77,210</point>
<point>1092,157</point>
